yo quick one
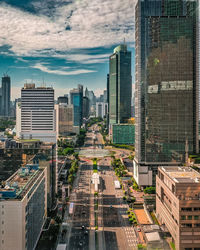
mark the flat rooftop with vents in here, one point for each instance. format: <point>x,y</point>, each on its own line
<point>182,174</point>
<point>20,182</point>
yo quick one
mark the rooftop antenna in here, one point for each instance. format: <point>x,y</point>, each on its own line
<point>124,41</point>
<point>6,73</point>
<point>43,82</point>
<point>125,46</point>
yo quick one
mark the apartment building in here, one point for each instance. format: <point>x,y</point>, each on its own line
<point>23,208</point>
<point>178,205</point>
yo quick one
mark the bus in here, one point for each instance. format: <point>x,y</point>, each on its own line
<point>71,208</point>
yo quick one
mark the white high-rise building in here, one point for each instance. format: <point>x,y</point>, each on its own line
<point>38,115</point>
<point>23,208</point>
<point>101,109</point>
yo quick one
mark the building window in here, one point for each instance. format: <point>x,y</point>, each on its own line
<point>196,208</point>
<point>2,222</point>
<point>2,231</point>
<point>2,241</point>
<point>189,217</point>
<point>183,217</point>
<point>186,225</point>
<point>196,217</point>
<point>197,225</point>
<point>186,209</point>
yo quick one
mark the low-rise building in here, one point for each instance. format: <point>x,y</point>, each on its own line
<point>123,133</point>
<point>178,205</point>
<point>23,208</point>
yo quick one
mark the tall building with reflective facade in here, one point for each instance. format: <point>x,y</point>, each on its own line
<point>166,95</point>
<point>120,86</point>
<point>76,99</point>
<point>5,96</point>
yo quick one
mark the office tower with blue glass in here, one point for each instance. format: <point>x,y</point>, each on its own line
<point>167,79</point>
<point>120,85</point>
<point>76,99</point>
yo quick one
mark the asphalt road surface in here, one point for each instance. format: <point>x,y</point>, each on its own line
<point>114,231</point>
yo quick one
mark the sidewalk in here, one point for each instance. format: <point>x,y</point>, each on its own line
<point>92,219</point>
<point>67,218</point>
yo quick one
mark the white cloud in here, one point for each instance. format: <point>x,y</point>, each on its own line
<point>91,24</point>
<point>63,71</point>
<point>85,58</point>
<point>98,91</point>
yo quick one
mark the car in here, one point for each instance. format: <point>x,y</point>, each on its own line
<point>80,243</point>
<point>139,229</point>
<point>86,232</point>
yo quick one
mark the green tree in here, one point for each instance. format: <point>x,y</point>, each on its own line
<point>150,190</point>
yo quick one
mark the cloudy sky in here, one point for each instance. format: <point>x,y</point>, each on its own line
<point>62,42</point>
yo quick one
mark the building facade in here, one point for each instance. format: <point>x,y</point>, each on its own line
<point>64,119</point>
<point>76,99</point>
<point>38,116</point>
<point>23,208</point>
<point>101,109</point>
<point>178,205</point>
<point>86,107</point>
<point>62,99</point>
<point>166,93</point>
<point>5,99</point>
<point>120,85</point>
<point>92,100</point>
<point>123,133</point>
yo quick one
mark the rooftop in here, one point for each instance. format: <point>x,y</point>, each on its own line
<point>121,47</point>
<point>32,86</point>
<point>154,236</point>
<point>182,174</point>
<point>20,182</point>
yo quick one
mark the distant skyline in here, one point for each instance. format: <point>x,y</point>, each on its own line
<point>62,42</point>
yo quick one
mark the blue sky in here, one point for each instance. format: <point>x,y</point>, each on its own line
<point>63,42</point>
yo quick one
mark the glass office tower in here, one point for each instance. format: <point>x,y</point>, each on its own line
<point>166,85</point>
<point>120,86</point>
<point>76,99</point>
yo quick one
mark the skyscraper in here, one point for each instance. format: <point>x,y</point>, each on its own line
<point>166,95</point>
<point>120,87</point>
<point>76,99</point>
<point>38,118</point>
<point>64,119</point>
<point>86,107</point>
<point>5,99</point>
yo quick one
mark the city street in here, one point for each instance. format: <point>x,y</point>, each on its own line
<point>114,231</point>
